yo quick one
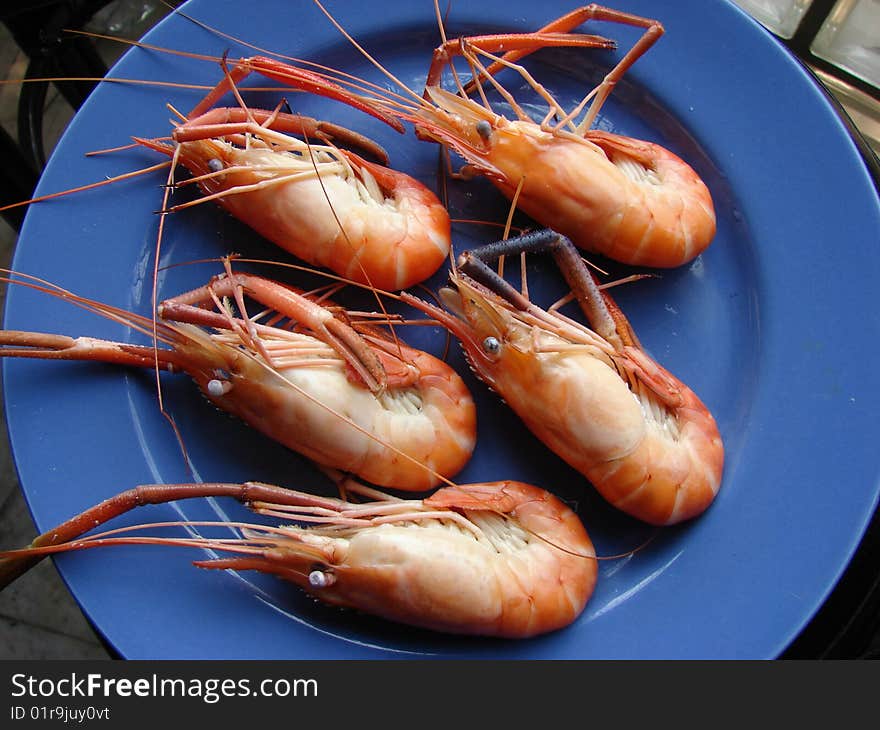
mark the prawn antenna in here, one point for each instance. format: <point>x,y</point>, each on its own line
<point>418,99</point>
<point>168,188</point>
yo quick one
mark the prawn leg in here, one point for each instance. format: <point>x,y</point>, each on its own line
<point>329,329</point>
<point>520,44</point>
<point>12,567</point>
<point>285,73</point>
<point>44,346</point>
<point>568,22</point>
<point>603,314</point>
<point>223,121</point>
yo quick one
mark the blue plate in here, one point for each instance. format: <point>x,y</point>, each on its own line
<point>773,326</point>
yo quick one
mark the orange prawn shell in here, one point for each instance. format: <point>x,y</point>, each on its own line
<point>687,480</point>
<point>476,597</point>
<point>575,401</point>
<point>437,446</point>
<point>581,191</point>
<point>365,243</point>
<point>662,216</point>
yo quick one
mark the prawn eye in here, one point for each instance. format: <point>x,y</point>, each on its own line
<point>484,129</point>
<point>218,388</point>
<point>319,578</point>
<point>215,164</point>
<point>491,345</point>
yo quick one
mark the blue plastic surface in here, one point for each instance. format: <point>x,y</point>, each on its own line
<point>774,326</point>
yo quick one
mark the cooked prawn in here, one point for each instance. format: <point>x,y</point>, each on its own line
<point>327,206</point>
<point>631,200</point>
<point>343,393</point>
<point>591,394</point>
<point>503,559</point>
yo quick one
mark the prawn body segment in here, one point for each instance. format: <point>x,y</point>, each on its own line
<point>503,559</point>
<point>591,394</point>
<point>343,394</point>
